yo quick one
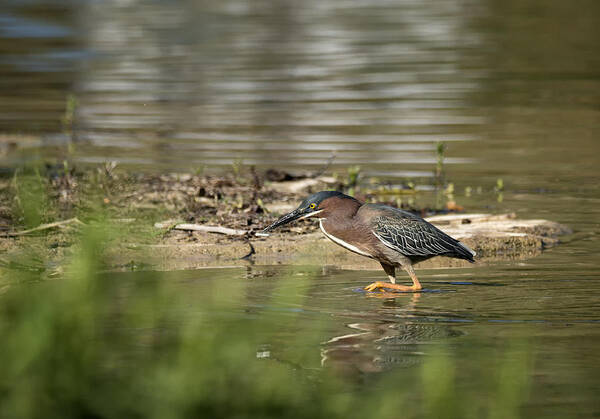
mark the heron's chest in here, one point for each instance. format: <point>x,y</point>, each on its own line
<point>348,236</point>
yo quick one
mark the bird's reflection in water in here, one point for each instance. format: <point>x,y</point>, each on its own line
<point>379,345</point>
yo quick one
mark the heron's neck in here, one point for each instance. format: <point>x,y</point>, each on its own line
<point>344,209</point>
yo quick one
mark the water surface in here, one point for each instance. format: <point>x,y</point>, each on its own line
<point>177,85</point>
<point>540,317</point>
<point>513,88</point>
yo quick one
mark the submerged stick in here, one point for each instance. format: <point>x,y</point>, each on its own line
<point>249,255</point>
<point>41,227</point>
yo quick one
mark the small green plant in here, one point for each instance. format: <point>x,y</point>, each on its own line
<point>237,168</point>
<point>499,185</point>
<point>68,118</point>
<point>199,170</point>
<point>440,149</point>
<point>440,191</point>
<point>352,179</point>
<point>499,189</point>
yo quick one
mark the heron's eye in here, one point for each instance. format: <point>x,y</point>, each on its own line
<point>313,206</point>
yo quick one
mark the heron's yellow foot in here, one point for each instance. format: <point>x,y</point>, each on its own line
<point>398,287</point>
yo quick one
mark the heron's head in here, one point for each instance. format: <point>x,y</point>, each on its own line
<point>319,205</point>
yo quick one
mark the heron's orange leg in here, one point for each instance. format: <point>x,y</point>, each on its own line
<point>416,286</point>
<point>379,284</point>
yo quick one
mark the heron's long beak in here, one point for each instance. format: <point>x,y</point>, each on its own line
<point>297,214</point>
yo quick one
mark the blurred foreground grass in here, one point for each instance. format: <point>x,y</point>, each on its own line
<point>92,345</point>
<point>88,343</point>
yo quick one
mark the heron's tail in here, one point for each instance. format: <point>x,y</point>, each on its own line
<point>465,252</point>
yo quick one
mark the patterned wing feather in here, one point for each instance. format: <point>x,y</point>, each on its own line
<point>413,236</point>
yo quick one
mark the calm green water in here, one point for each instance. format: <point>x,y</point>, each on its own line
<point>512,86</point>
<point>539,317</point>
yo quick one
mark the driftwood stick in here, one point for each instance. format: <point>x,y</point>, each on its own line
<point>41,227</point>
<point>211,229</point>
<point>203,228</point>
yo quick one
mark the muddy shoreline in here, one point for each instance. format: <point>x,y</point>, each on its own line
<point>493,237</point>
<point>149,209</point>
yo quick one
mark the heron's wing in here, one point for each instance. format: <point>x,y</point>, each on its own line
<point>413,236</point>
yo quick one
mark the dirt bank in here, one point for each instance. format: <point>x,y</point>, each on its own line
<point>493,237</point>
<point>153,213</point>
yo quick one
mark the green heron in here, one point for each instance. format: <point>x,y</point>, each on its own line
<point>393,237</point>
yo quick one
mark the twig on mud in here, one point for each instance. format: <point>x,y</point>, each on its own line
<point>207,229</point>
<point>41,227</point>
